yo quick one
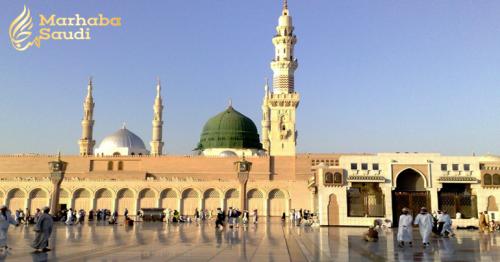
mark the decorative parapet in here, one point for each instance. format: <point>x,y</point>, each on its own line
<point>458,179</point>
<point>365,178</point>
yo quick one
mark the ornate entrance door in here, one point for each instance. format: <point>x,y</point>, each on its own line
<point>412,200</point>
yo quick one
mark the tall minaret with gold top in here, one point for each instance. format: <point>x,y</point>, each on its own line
<point>282,102</point>
<point>156,140</point>
<point>86,142</point>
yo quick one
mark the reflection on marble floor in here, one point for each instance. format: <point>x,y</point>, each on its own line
<point>265,242</point>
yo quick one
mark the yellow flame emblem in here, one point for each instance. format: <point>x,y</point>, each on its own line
<point>20,31</point>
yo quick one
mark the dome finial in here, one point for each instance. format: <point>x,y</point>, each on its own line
<point>158,85</point>
<point>285,4</point>
<point>89,87</point>
<point>124,125</point>
<point>230,103</point>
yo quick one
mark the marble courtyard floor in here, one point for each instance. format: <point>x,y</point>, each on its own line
<point>269,241</point>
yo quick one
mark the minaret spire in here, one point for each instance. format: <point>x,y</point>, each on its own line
<point>157,132</point>
<point>266,118</point>
<point>86,142</point>
<point>279,106</point>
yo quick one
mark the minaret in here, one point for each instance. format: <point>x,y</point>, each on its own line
<point>86,142</point>
<point>266,119</point>
<point>283,101</point>
<point>284,63</point>
<point>156,140</point>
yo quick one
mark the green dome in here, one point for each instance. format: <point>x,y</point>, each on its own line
<point>229,129</point>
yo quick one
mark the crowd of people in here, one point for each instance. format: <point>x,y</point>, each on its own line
<point>439,223</point>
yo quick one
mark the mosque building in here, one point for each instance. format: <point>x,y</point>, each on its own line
<point>343,189</point>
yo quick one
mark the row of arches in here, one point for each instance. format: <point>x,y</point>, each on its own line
<point>273,203</point>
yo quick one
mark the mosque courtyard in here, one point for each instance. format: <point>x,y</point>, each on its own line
<point>267,241</point>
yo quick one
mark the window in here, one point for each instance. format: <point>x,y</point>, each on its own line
<point>375,166</point>
<point>120,165</point>
<point>454,167</point>
<point>110,165</point>
<point>364,166</point>
<point>458,198</point>
<point>337,178</point>
<point>365,200</point>
<point>466,167</point>
<point>328,178</point>
<point>496,179</point>
<point>444,167</point>
<point>354,166</point>
<point>487,180</point>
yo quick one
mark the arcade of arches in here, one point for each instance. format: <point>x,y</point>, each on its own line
<point>273,203</point>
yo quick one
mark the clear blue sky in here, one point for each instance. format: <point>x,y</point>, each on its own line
<point>374,76</point>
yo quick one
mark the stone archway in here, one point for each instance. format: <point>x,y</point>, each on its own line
<point>232,198</point>
<point>255,200</point>
<point>147,199</point>
<point>2,196</point>
<point>190,202</point>
<point>169,199</point>
<point>64,199</point>
<point>82,199</point>
<point>410,192</point>
<point>16,199</point>
<point>277,203</point>
<point>125,199</point>
<point>211,199</point>
<point>104,199</point>
<point>492,204</point>
<point>333,211</point>
<point>38,199</point>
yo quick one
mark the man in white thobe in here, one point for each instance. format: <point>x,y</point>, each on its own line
<point>69,217</point>
<point>424,221</point>
<point>6,220</point>
<point>405,228</point>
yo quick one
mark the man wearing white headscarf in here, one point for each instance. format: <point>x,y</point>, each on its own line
<point>6,220</point>
<point>405,228</point>
<point>424,221</point>
<point>43,229</point>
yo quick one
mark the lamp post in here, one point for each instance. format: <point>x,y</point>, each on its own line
<point>243,169</point>
<point>57,169</point>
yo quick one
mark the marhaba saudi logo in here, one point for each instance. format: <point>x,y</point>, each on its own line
<point>54,28</point>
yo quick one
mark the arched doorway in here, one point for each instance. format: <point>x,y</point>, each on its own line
<point>147,199</point>
<point>82,199</point>
<point>190,202</point>
<point>333,211</point>
<point>104,199</point>
<point>38,199</point>
<point>255,200</point>
<point>125,200</point>
<point>169,199</point>
<point>492,204</point>
<point>410,192</point>
<point>211,200</point>
<point>64,199</point>
<point>232,198</point>
<point>277,203</point>
<point>16,199</point>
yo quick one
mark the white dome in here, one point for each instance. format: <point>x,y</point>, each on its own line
<point>122,142</point>
<point>228,153</point>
